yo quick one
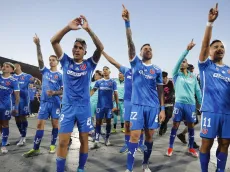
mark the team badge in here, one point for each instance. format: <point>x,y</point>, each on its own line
<point>110,83</point>
<point>22,77</point>
<point>83,67</point>
<point>7,83</point>
<point>204,130</point>
<point>55,76</point>
<point>152,71</point>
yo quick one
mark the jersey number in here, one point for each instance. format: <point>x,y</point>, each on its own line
<point>133,116</point>
<point>207,121</point>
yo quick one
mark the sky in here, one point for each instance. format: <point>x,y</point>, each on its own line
<point>168,25</point>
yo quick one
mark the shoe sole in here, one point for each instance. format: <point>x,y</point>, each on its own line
<point>28,156</point>
<point>124,151</point>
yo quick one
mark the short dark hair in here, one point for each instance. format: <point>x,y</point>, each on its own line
<point>214,41</point>
<point>54,56</point>
<point>190,66</point>
<point>164,74</point>
<point>82,42</point>
<point>145,45</point>
<point>98,72</point>
<point>106,67</point>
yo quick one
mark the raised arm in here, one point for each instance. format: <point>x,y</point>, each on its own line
<point>111,60</point>
<point>55,40</point>
<point>39,52</point>
<point>97,42</point>
<point>204,53</point>
<point>182,57</point>
<point>131,47</point>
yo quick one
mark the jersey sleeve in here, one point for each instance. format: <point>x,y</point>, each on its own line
<point>44,70</point>
<point>114,86</point>
<point>30,78</point>
<point>64,60</point>
<point>159,79</point>
<point>91,63</point>
<point>96,85</point>
<point>123,70</point>
<point>203,65</point>
<point>16,86</point>
<point>135,61</point>
<point>177,66</point>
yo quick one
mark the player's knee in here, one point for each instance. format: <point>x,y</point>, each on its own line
<point>224,146</point>
<point>63,144</point>
<point>175,125</point>
<point>134,136</point>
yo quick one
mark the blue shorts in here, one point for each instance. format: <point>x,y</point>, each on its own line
<point>127,110</point>
<point>184,112</point>
<point>215,124</point>
<point>5,114</point>
<point>48,109</point>
<point>102,113</point>
<point>71,114</point>
<point>144,117</point>
<point>23,108</point>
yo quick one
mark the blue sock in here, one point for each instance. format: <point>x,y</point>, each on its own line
<point>60,163</point>
<point>130,156</point>
<point>82,160</point>
<point>19,125</point>
<point>127,137</point>
<point>221,161</point>
<point>204,160</point>
<point>172,137</point>
<point>54,136</point>
<point>5,134</point>
<point>38,139</point>
<point>108,130</point>
<point>24,128</point>
<point>147,153</point>
<point>97,132</point>
<point>141,139</point>
<point>191,137</point>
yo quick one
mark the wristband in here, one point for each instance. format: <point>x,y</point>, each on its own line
<point>15,107</point>
<point>210,24</point>
<point>162,107</point>
<point>127,24</point>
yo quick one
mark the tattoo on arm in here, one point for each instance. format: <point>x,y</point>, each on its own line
<point>131,46</point>
<point>39,56</point>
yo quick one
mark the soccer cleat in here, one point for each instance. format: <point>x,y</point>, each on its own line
<point>142,148</point>
<point>122,130</point>
<point>80,170</point>
<point>31,153</point>
<point>103,130</point>
<point>145,168</point>
<point>22,141</point>
<point>193,152</point>
<point>95,145</point>
<point>107,142</point>
<point>169,152</point>
<point>113,130</point>
<point>4,150</point>
<point>181,137</point>
<point>124,149</point>
<point>52,149</point>
<point>196,146</point>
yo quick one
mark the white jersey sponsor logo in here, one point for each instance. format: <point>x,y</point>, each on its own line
<point>69,72</point>
<point>217,75</point>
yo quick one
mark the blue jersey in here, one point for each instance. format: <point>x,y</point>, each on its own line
<point>215,83</point>
<point>50,81</point>
<point>76,80</point>
<point>128,82</point>
<point>145,81</point>
<point>7,87</point>
<point>105,92</point>
<point>32,92</point>
<point>24,80</point>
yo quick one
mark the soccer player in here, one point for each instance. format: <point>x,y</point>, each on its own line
<point>106,87</point>
<point>8,86</point>
<point>186,87</point>
<point>215,84</point>
<point>127,73</point>
<point>169,94</point>
<point>77,74</point>
<point>50,100</point>
<point>93,99</point>
<point>147,98</point>
<point>120,89</point>
<point>24,80</point>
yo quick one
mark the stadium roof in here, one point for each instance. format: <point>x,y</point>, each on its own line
<point>27,68</point>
